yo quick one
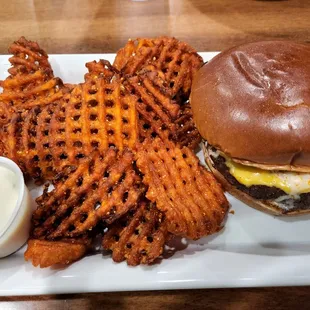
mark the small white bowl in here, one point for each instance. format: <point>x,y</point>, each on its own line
<point>16,232</point>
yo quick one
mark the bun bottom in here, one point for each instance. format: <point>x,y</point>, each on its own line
<point>266,206</point>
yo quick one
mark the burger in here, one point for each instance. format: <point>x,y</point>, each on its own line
<point>251,104</point>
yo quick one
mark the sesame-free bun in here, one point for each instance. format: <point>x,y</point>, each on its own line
<point>252,102</point>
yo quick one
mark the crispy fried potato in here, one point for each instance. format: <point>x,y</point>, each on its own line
<point>151,84</point>
<point>91,139</point>
<point>176,60</point>
<point>28,57</point>
<point>45,253</point>
<point>159,115</point>
<point>100,188</point>
<point>26,141</point>
<point>96,115</point>
<point>99,114</point>
<point>102,69</point>
<point>138,237</point>
<point>157,111</point>
<point>129,50</point>
<point>6,114</point>
<point>41,95</point>
<point>31,81</point>
<point>190,197</point>
<point>186,133</point>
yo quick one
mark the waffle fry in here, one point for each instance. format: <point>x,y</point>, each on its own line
<point>31,81</point>
<point>138,237</point>
<point>26,141</point>
<point>184,191</point>
<point>45,253</point>
<point>156,110</point>
<point>28,57</point>
<point>113,148</point>
<point>6,114</point>
<point>102,69</point>
<point>186,132</point>
<point>14,136</point>
<point>176,60</point>
<point>40,95</point>
<point>159,115</point>
<point>98,115</point>
<point>100,188</point>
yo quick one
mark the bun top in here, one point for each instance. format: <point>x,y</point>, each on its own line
<point>253,103</point>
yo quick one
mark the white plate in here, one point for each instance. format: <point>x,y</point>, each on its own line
<point>254,249</point>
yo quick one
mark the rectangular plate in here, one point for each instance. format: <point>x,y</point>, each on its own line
<point>254,249</point>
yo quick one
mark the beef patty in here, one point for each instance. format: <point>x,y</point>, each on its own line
<point>261,192</point>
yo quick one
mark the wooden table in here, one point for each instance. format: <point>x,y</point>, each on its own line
<point>90,26</point>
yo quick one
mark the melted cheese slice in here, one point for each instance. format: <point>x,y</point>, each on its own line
<point>292,183</point>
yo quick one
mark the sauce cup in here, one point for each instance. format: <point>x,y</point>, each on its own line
<point>15,232</point>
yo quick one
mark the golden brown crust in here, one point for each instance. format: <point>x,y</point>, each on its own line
<point>6,113</point>
<point>190,197</point>
<point>253,103</point>
<point>31,81</point>
<point>26,141</point>
<point>159,114</point>
<point>156,109</point>
<point>186,132</point>
<point>28,57</point>
<point>48,253</point>
<point>265,206</point>
<point>139,237</point>
<point>176,60</point>
<point>95,115</point>
<point>101,68</point>
<point>102,187</point>
<point>99,114</point>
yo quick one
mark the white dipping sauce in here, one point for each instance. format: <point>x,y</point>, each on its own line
<point>8,195</point>
<point>16,207</point>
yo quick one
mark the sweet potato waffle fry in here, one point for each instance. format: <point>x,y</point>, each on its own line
<point>101,68</point>
<point>46,253</point>
<point>28,57</point>
<point>176,60</point>
<point>159,115</point>
<point>6,113</point>
<point>102,187</point>
<point>186,132</point>
<point>184,191</point>
<point>113,148</point>
<point>31,81</point>
<point>26,141</point>
<point>99,114</point>
<point>138,237</point>
<point>156,109</point>
<point>43,94</point>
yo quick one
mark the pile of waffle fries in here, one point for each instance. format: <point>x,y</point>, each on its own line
<point>116,153</point>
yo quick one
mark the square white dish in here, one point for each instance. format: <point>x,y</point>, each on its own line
<point>254,249</point>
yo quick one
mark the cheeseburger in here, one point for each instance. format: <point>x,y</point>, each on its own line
<point>251,105</point>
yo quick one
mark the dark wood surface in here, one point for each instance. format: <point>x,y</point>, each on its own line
<point>219,299</point>
<point>91,26</point>
<point>85,26</point>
